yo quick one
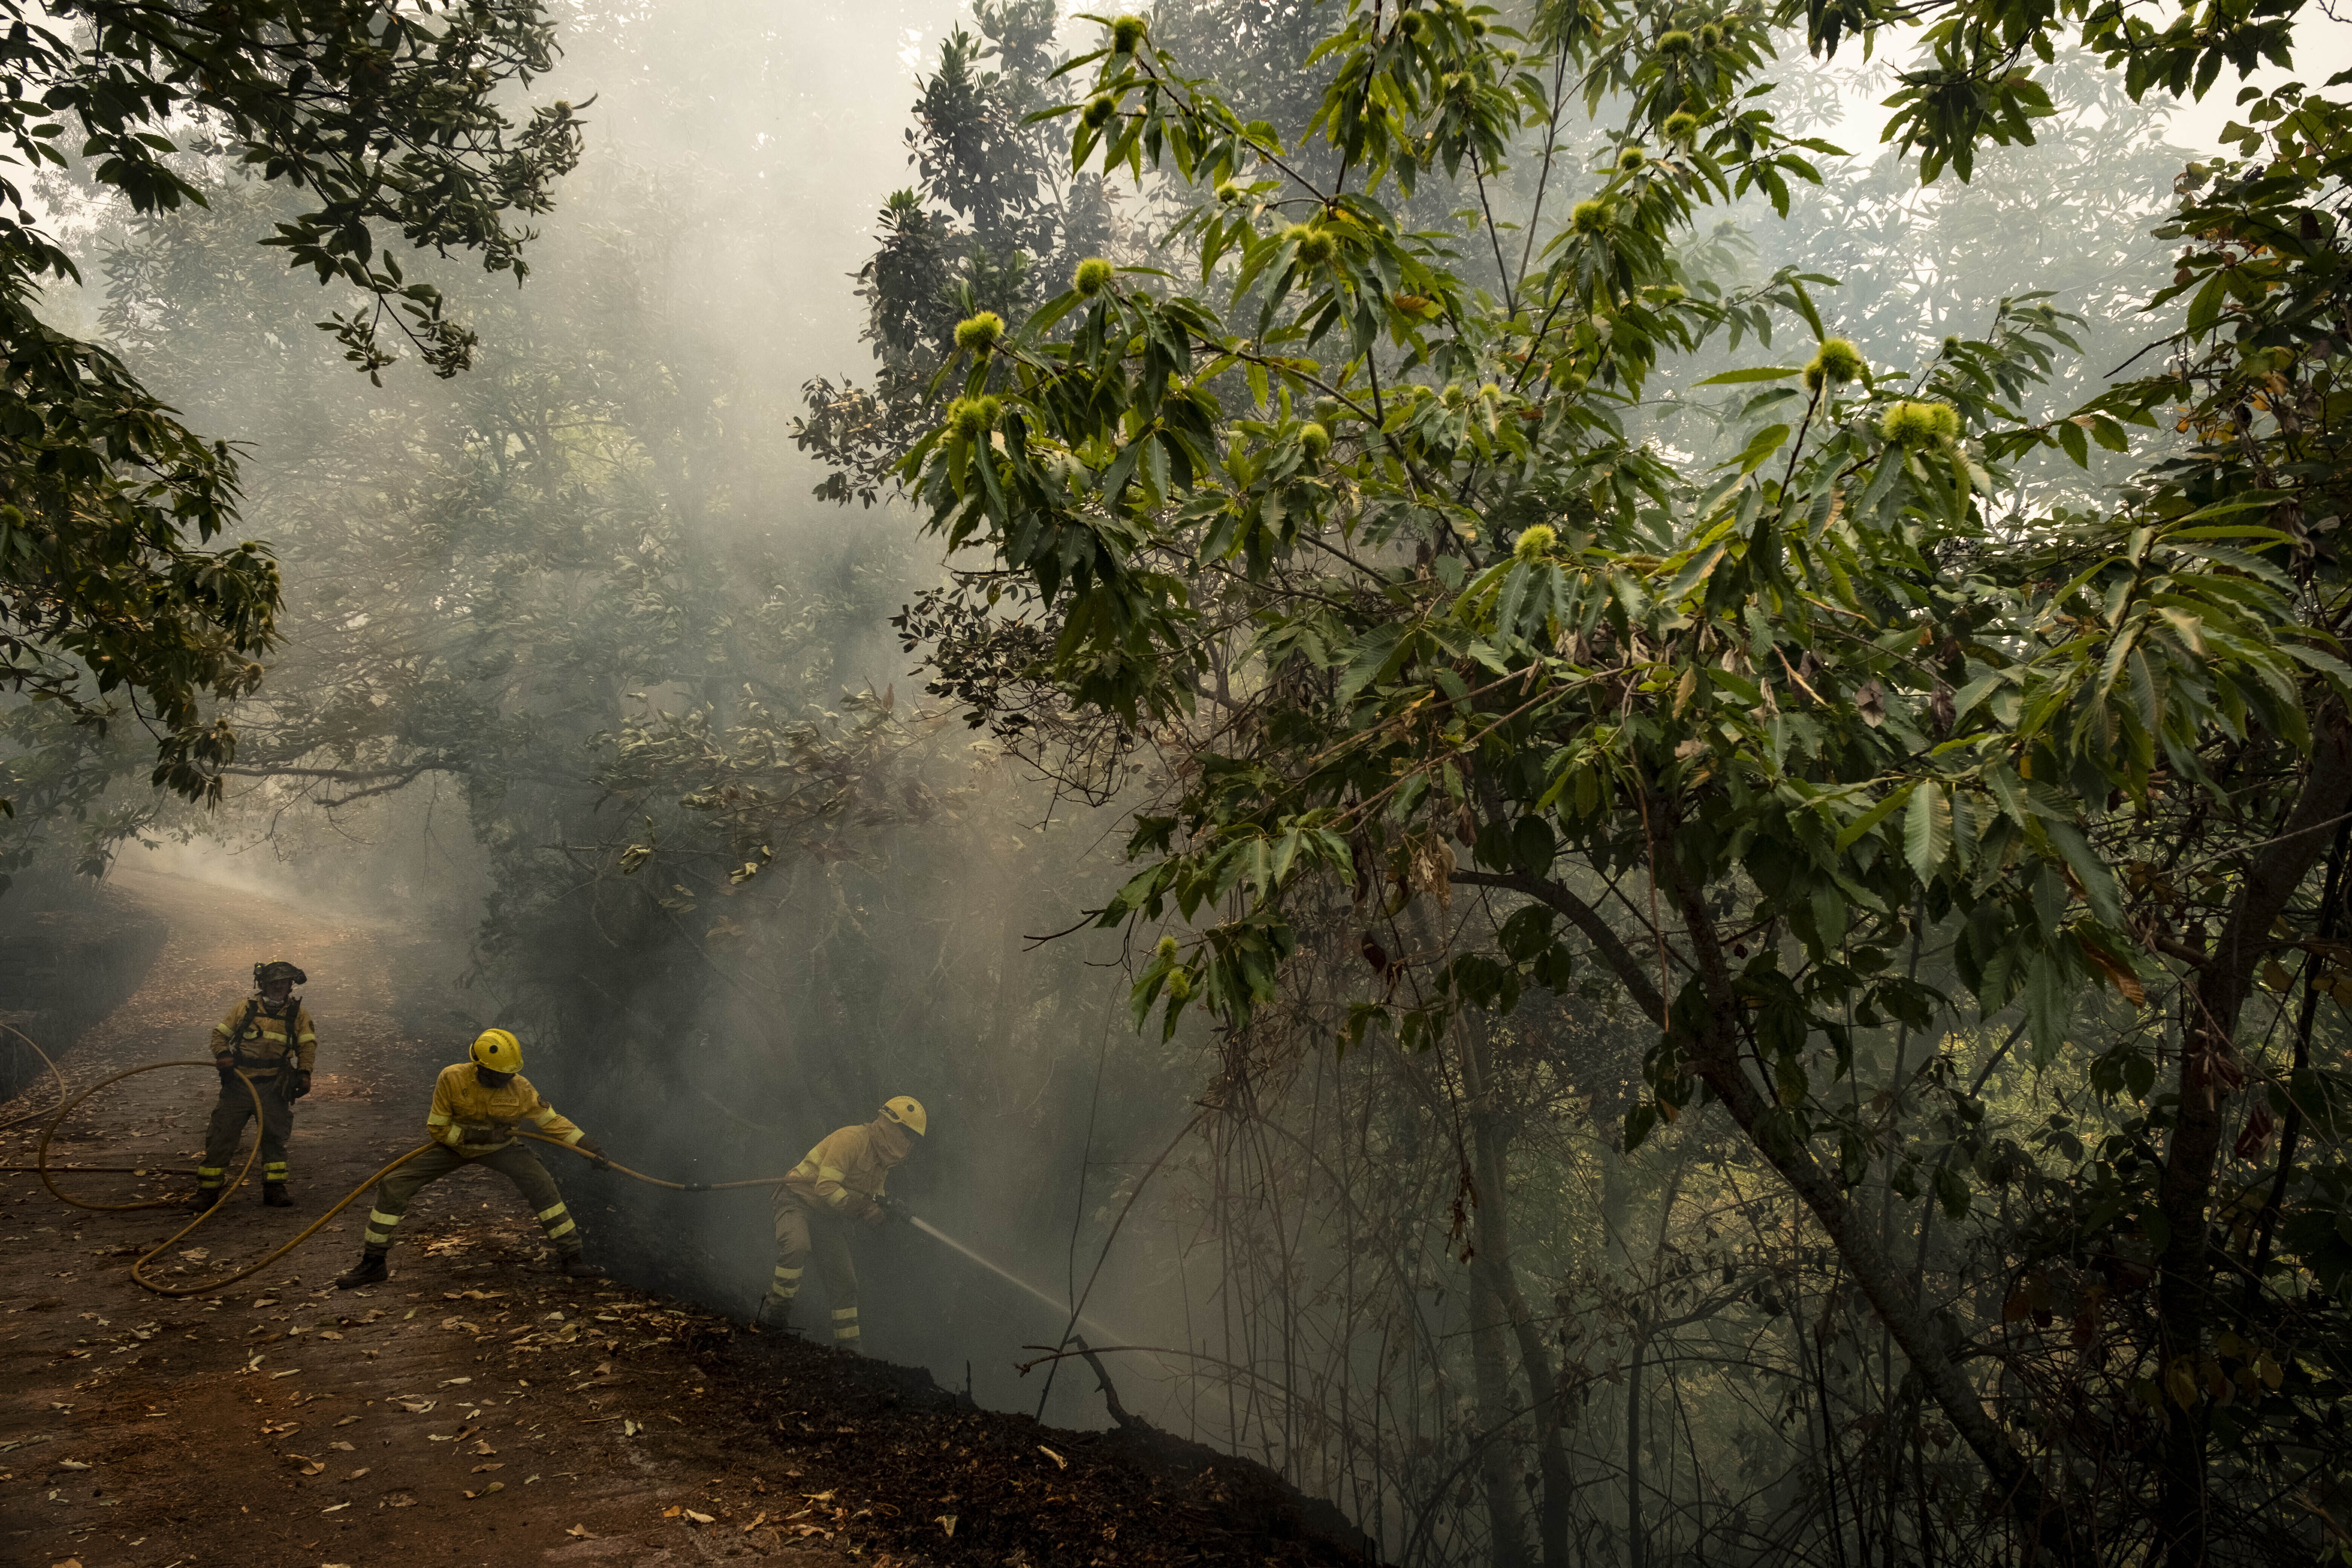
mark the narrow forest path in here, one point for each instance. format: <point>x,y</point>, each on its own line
<point>475,1410</point>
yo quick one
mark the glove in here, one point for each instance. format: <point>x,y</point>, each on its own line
<point>590,1147</point>
<point>227,1072</point>
<point>894,1208</point>
<point>301,1083</point>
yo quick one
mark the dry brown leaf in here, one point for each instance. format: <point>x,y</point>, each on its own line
<point>478,1470</point>
<point>756,1523</point>
<point>945,1522</point>
<point>347,1420</point>
<point>581,1530</point>
<point>343,1447</point>
<point>493,1487</point>
<point>1057,1459</point>
<point>671,1511</point>
<point>355,1475</point>
<point>699,1518</point>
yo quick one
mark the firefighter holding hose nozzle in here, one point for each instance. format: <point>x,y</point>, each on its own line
<point>840,1181</point>
<point>476,1107</point>
<point>272,1039</point>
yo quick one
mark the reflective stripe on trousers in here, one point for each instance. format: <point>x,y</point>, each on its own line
<point>515,1162</point>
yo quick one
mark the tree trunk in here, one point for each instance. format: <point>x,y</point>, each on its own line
<point>1505,1524</point>
<point>1490,1139</point>
<point>1713,1043</point>
<point>1637,1546</point>
<point>2209,1073</point>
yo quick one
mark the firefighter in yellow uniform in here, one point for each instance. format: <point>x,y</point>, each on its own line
<point>476,1107</point>
<point>840,1182</point>
<point>271,1039</point>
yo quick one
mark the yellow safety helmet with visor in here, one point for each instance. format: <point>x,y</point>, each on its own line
<point>907,1111</point>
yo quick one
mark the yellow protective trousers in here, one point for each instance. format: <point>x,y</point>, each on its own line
<point>230,1113</point>
<point>803,1232</point>
<point>515,1162</point>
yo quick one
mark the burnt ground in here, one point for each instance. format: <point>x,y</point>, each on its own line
<point>476,1409</point>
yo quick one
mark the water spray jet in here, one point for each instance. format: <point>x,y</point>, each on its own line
<point>936,1233</point>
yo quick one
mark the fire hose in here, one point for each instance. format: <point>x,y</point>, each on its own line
<point>138,1268</point>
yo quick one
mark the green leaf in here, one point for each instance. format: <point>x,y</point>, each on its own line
<point>1927,830</point>
<point>1854,830</point>
<point>1761,446</point>
<point>1740,377</point>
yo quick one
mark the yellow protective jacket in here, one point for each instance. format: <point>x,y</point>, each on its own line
<point>845,1173</point>
<point>260,1042</point>
<point>461,1100</point>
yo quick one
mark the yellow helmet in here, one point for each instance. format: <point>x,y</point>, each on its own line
<point>907,1111</point>
<point>498,1051</point>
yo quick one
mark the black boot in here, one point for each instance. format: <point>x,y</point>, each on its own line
<point>369,1271</point>
<point>274,1194</point>
<point>205,1199</point>
<point>575,1265</point>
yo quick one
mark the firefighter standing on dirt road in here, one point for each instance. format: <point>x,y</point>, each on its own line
<point>273,1040</point>
<point>841,1179</point>
<point>476,1105</point>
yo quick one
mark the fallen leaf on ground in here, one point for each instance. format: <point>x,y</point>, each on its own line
<point>945,1522</point>
<point>347,1421</point>
<point>337,1509</point>
<point>756,1523</point>
<point>71,1465</point>
<point>630,1428</point>
<point>1057,1459</point>
<point>482,1447</point>
<point>699,1518</point>
<point>451,1382</point>
<point>289,1372</point>
<point>478,1470</point>
<point>671,1511</point>
<point>493,1487</point>
<point>346,1448</point>
<point>328,1334</point>
<point>581,1530</point>
<point>826,1496</point>
<point>355,1475</point>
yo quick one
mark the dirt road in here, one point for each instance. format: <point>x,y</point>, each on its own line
<point>475,1410</point>
<point>467,1412</point>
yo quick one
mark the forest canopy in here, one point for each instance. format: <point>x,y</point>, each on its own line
<point>388,120</point>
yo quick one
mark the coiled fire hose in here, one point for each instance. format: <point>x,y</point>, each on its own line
<point>41,1167</point>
